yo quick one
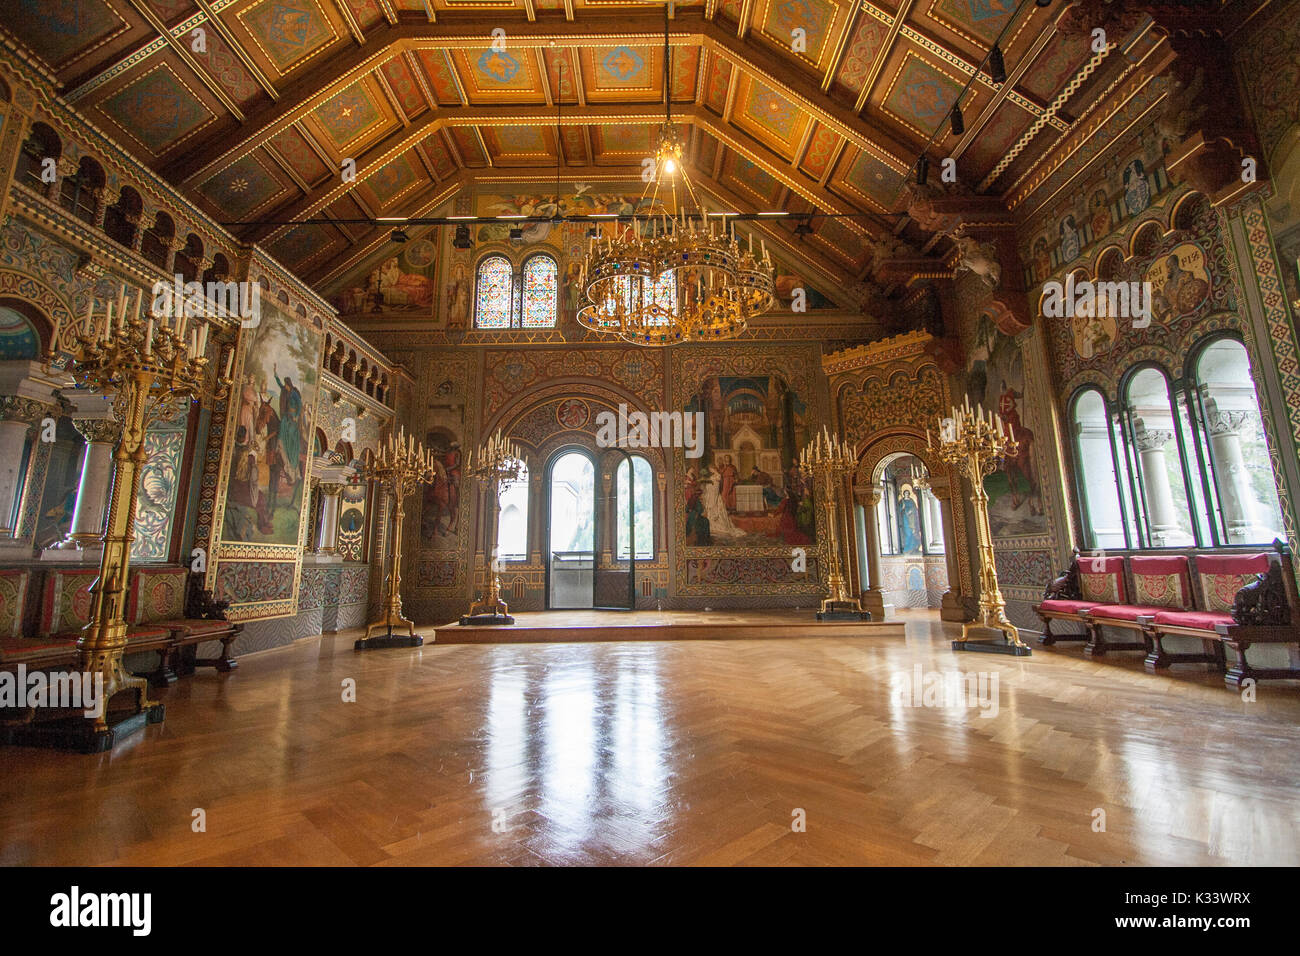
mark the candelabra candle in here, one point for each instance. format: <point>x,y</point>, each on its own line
<point>153,372</point>
<point>974,443</point>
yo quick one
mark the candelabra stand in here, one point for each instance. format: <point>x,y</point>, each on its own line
<point>401,466</point>
<point>832,460</point>
<point>497,462</point>
<point>974,442</point>
<point>154,364</point>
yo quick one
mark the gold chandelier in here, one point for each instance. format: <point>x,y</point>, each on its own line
<point>672,274</point>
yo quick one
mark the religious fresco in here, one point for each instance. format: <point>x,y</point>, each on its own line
<point>440,503</point>
<point>747,487</point>
<point>585,199</point>
<point>275,401</point>
<point>352,521</point>
<point>995,380</point>
<point>406,282</point>
<point>1179,282</point>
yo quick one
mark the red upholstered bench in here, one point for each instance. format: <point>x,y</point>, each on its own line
<point>1160,583</point>
<point>161,597</point>
<point>1086,583</point>
<point>1246,599</point>
<point>66,609</point>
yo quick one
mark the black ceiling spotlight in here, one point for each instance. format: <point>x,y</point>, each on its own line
<point>462,240</point>
<point>997,65</point>
<point>922,169</point>
<point>1043,3</point>
<point>516,233</point>
<point>804,226</point>
<point>399,235</point>
<point>958,124</point>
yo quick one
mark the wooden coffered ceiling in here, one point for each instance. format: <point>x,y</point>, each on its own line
<point>793,105</point>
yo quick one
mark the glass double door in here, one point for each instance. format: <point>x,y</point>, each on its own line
<point>576,577</point>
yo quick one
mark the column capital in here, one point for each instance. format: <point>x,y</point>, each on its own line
<point>29,411</point>
<point>1151,439</point>
<point>103,431</point>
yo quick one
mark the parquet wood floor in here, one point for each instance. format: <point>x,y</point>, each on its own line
<point>678,752</point>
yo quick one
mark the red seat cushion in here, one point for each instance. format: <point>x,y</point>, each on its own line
<point>21,649</point>
<point>1065,607</point>
<point>1123,612</point>
<point>1202,619</point>
<point>1161,581</point>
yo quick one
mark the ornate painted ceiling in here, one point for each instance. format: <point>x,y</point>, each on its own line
<point>792,105</point>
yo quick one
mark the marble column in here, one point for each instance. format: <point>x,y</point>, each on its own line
<point>329,476</point>
<point>328,535</point>
<point>17,415</point>
<point>1236,496</point>
<point>1162,515</point>
<point>953,605</point>
<point>96,471</point>
<point>873,598</point>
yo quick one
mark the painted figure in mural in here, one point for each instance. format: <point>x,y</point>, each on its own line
<point>981,350</point>
<point>458,298</point>
<point>909,523</point>
<point>730,478</point>
<point>1137,191</point>
<point>1100,214</point>
<point>291,426</point>
<point>1042,260</point>
<point>1021,466</point>
<point>771,497</point>
<point>715,508</point>
<point>697,524</point>
<point>442,495</point>
<point>1182,292</point>
<point>1069,232</point>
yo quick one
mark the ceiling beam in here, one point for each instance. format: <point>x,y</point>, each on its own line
<point>318,84</point>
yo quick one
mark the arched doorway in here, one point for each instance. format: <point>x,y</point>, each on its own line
<point>571,530</point>
<point>909,534</point>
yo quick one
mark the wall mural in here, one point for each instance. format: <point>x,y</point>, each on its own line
<point>155,503</point>
<point>440,511</point>
<point>747,487</point>
<point>406,282</point>
<point>995,380</point>
<point>741,506</point>
<point>268,462</point>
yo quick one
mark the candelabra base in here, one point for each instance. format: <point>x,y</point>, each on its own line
<point>78,734</point>
<point>842,611</point>
<point>388,640</point>
<point>479,620</point>
<point>1010,642</point>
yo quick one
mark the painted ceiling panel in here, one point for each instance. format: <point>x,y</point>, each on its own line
<point>293,148</point>
<point>61,32</point>
<point>157,109</point>
<point>288,32</point>
<point>247,186</point>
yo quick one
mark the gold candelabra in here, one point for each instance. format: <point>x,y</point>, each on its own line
<point>154,363</point>
<point>974,442</point>
<point>401,466</point>
<point>831,459</point>
<point>497,462</point>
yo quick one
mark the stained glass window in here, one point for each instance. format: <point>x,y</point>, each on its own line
<point>541,292</point>
<point>493,293</point>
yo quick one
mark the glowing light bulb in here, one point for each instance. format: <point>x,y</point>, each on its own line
<point>670,166</point>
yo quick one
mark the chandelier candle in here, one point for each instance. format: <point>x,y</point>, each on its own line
<point>974,443</point>
<point>401,466</point>
<point>498,462</point>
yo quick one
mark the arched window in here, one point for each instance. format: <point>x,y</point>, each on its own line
<point>641,501</point>
<point>18,337</point>
<point>77,194</point>
<point>494,293</point>
<point>188,258</point>
<point>120,218</point>
<point>541,291</point>
<point>42,144</point>
<point>157,238</point>
<point>1237,476</point>
<point>1098,482</point>
<point>512,532</point>
<point>528,299</point>
<point>1154,446</point>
